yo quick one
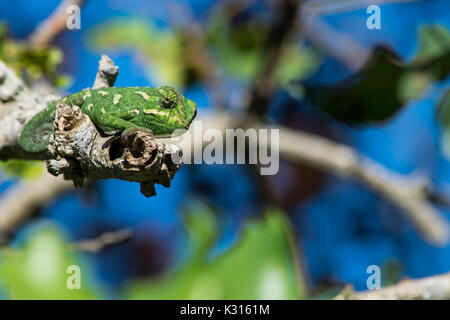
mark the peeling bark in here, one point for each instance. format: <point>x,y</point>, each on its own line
<point>79,151</point>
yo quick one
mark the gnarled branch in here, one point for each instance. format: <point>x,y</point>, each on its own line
<point>430,288</point>
<point>77,149</point>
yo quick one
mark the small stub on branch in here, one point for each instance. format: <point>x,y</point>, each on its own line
<point>107,73</point>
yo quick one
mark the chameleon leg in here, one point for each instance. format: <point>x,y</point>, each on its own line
<point>128,115</point>
<point>125,115</point>
<point>113,122</point>
<point>108,122</point>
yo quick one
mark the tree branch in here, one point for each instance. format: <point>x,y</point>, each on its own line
<point>105,240</point>
<point>407,192</point>
<point>19,202</point>
<point>53,25</point>
<point>18,104</point>
<point>339,6</point>
<point>334,43</point>
<point>77,149</point>
<point>432,288</point>
<point>411,194</point>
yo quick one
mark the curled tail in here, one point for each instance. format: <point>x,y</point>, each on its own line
<point>36,133</point>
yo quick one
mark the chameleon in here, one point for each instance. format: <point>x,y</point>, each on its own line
<point>114,110</point>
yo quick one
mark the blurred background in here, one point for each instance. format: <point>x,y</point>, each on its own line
<point>224,231</point>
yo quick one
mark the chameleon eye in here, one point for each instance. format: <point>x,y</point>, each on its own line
<point>168,98</point>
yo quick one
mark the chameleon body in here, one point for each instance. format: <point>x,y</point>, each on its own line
<point>117,110</point>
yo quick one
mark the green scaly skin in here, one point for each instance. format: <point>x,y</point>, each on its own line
<point>117,110</point>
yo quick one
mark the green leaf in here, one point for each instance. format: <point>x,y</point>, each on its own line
<point>240,51</point>
<point>434,43</point>
<point>22,168</point>
<point>296,63</point>
<point>261,265</point>
<point>160,49</point>
<point>238,47</point>
<point>384,85</point>
<point>370,95</point>
<point>39,270</point>
<point>31,63</point>
<point>443,112</point>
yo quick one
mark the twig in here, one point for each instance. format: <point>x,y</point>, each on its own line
<point>53,25</point>
<point>334,43</point>
<point>105,240</point>
<point>107,73</point>
<point>430,288</point>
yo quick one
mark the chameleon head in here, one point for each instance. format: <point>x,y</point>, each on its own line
<point>179,107</point>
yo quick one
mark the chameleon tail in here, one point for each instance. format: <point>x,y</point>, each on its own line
<point>36,133</point>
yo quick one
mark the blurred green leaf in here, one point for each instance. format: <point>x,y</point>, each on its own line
<point>237,46</point>
<point>369,95</point>
<point>31,63</point>
<point>39,269</point>
<point>22,168</point>
<point>412,85</point>
<point>239,49</point>
<point>261,265</point>
<point>431,63</point>
<point>160,49</point>
<point>434,43</point>
<point>392,272</point>
<point>443,112</point>
<point>384,84</point>
<point>296,63</point>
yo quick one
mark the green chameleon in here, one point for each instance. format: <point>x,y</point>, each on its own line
<point>117,110</point>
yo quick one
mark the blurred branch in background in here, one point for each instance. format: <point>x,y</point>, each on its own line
<point>332,42</point>
<point>261,264</point>
<point>409,193</point>
<point>196,50</point>
<point>19,202</point>
<point>263,86</point>
<point>430,288</point>
<point>325,7</point>
<point>104,241</point>
<point>53,25</point>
